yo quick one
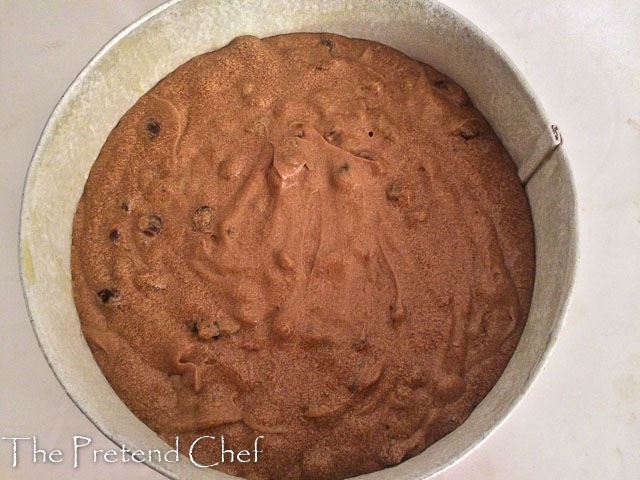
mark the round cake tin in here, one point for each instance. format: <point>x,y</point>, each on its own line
<point>149,49</point>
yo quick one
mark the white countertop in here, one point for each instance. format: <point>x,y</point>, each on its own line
<point>582,58</point>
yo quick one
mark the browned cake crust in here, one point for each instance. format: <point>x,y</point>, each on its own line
<point>307,237</point>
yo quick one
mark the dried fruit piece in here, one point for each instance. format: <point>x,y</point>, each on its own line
<point>202,219</point>
<point>327,42</point>
<point>206,329</point>
<point>150,225</point>
<point>296,129</point>
<point>111,296</point>
<point>153,128</point>
<point>343,178</point>
<point>332,136</point>
<point>471,128</point>
<point>395,192</point>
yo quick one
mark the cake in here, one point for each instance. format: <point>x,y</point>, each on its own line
<point>309,238</point>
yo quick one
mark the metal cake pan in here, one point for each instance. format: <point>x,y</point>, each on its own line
<point>146,51</point>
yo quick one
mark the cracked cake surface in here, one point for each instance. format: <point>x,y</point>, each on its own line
<point>307,237</point>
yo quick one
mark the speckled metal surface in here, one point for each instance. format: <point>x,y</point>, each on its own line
<point>167,37</point>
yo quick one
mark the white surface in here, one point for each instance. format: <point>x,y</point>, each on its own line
<point>583,60</point>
